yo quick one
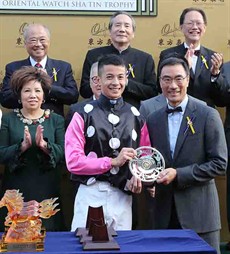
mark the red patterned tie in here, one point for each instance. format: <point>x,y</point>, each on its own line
<point>38,65</point>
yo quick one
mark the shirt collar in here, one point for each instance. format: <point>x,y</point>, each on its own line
<point>183,104</point>
<point>43,62</point>
<point>105,102</point>
<point>122,51</point>
<point>186,46</point>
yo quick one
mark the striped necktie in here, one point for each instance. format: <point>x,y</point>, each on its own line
<point>38,65</point>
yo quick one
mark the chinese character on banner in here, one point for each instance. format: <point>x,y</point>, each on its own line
<point>178,42</point>
<point>99,41</point>
<point>19,41</point>
<point>91,41</point>
<point>109,42</point>
<point>170,42</point>
<point>161,42</point>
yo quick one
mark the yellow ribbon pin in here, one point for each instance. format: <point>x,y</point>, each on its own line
<point>189,122</point>
<point>204,61</point>
<point>55,74</point>
<point>131,70</point>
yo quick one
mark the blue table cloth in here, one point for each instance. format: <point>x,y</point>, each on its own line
<point>136,241</point>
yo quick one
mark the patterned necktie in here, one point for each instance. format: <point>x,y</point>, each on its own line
<point>38,65</point>
<point>172,110</point>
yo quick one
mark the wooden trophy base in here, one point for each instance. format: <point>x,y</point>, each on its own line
<point>96,235</point>
<point>89,243</point>
<point>110,245</point>
<point>83,235</point>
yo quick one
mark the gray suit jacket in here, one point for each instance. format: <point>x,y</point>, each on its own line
<point>153,104</point>
<point>198,159</point>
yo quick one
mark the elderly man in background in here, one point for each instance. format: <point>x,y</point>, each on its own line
<point>64,88</point>
<point>140,66</point>
<point>205,64</point>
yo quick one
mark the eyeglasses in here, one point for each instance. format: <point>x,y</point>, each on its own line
<point>34,41</point>
<point>192,23</point>
<point>94,79</point>
<point>168,80</point>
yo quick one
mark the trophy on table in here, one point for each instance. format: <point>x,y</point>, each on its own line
<point>97,235</point>
<point>23,224</point>
<point>147,165</point>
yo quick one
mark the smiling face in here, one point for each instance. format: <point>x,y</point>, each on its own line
<point>193,27</point>
<point>113,80</point>
<point>121,31</point>
<point>37,42</point>
<point>32,95</point>
<point>174,82</point>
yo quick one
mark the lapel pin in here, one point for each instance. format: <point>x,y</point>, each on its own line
<point>204,61</point>
<point>190,125</point>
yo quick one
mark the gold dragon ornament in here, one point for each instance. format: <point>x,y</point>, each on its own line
<point>24,218</point>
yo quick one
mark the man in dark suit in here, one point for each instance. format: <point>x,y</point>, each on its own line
<point>64,88</point>
<point>204,63</point>
<point>190,137</point>
<point>140,65</point>
<point>224,101</point>
<point>226,72</point>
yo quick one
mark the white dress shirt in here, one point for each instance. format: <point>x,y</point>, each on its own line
<point>174,123</point>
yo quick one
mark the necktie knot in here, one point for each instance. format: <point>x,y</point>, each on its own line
<point>38,65</point>
<point>172,110</point>
<point>196,52</point>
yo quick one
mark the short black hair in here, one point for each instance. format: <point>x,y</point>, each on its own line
<point>110,59</point>
<point>173,60</point>
<point>185,11</point>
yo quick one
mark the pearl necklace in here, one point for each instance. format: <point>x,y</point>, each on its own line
<point>40,120</point>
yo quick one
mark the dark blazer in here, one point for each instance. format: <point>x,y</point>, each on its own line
<point>198,159</point>
<point>225,95</point>
<point>223,92</point>
<point>141,86</point>
<point>200,85</point>
<point>63,91</point>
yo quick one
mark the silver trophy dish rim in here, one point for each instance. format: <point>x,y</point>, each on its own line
<point>154,150</point>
